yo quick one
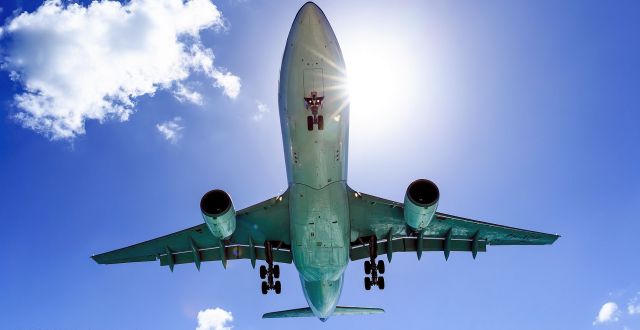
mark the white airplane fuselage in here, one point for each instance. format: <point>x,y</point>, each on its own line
<point>314,116</point>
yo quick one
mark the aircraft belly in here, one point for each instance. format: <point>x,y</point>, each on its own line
<point>314,117</point>
<point>313,66</point>
<point>319,231</point>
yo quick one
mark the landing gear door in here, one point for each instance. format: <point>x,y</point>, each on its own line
<point>313,81</point>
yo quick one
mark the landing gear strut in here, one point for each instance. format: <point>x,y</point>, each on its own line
<point>270,272</point>
<point>373,268</point>
<point>314,103</point>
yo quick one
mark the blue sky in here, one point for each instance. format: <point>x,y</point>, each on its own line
<point>524,114</point>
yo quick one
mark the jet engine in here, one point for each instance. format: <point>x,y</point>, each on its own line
<point>218,213</point>
<point>420,203</point>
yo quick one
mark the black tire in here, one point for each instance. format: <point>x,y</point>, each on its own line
<point>265,287</point>
<point>320,123</point>
<point>310,123</point>
<point>367,283</point>
<point>380,266</point>
<point>367,267</point>
<point>263,272</point>
<point>277,287</point>
<point>276,271</point>
<point>381,283</point>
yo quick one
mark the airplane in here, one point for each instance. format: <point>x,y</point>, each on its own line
<point>320,223</point>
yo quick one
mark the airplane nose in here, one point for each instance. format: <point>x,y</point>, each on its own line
<point>308,13</point>
<point>311,29</point>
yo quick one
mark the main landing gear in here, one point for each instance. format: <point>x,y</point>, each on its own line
<point>373,268</point>
<point>269,273</point>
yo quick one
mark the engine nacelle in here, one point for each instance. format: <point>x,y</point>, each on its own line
<point>218,213</point>
<point>420,203</point>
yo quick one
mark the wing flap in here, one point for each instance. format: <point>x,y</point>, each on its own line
<point>232,253</point>
<point>410,244</point>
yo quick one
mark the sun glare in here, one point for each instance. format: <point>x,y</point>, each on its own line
<point>379,82</point>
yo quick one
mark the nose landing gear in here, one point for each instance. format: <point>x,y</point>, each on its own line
<point>270,272</point>
<point>314,103</point>
<point>373,268</point>
<point>313,120</point>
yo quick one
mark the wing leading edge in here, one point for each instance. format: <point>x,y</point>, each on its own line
<point>261,227</point>
<point>384,219</point>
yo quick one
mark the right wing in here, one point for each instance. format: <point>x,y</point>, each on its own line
<point>259,226</point>
<point>384,219</point>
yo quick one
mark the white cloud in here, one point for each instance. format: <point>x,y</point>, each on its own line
<point>609,312</point>
<point>78,63</point>
<point>633,307</point>
<point>171,130</point>
<point>214,319</point>
<point>184,94</point>
<point>262,110</point>
<point>228,81</point>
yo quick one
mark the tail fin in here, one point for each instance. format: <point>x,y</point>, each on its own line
<point>306,312</point>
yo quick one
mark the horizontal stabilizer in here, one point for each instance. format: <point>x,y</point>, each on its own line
<point>306,312</point>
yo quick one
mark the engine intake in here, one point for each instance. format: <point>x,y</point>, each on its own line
<point>218,213</point>
<point>420,203</point>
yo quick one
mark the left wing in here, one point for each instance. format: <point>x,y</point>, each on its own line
<point>384,219</point>
<point>260,229</point>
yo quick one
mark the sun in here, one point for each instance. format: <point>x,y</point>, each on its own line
<point>379,82</point>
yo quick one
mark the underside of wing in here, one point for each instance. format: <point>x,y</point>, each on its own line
<point>383,220</point>
<point>261,227</point>
<point>494,234</point>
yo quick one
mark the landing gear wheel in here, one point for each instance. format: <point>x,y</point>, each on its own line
<point>381,283</point>
<point>265,287</point>
<point>310,123</point>
<point>320,123</point>
<point>367,283</point>
<point>263,272</point>
<point>367,267</point>
<point>276,271</point>
<point>277,287</point>
<point>381,266</point>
